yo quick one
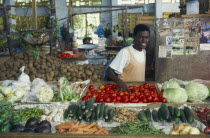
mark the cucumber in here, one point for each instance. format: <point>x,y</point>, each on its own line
<point>88,114</point>
<point>97,111</point>
<point>155,115</point>
<point>89,104</point>
<point>169,118</point>
<point>164,111</point>
<point>148,114</point>
<point>92,107</point>
<point>92,118</point>
<point>105,114</point>
<point>102,106</point>
<point>83,105</point>
<point>75,111</point>
<point>160,115</point>
<point>142,116</point>
<point>188,115</point>
<point>72,107</point>
<point>175,119</point>
<point>177,112</point>
<point>171,110</point>
<point>80,114</point>
<point>111,113</point>
<point>182,116</point>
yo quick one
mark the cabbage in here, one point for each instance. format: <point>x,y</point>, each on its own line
<point>12,98</point>
<point>175,95</point>
<point>209,90</point>
<point>1,97</point>
<point>196,92</point>
<point>6,90</point>
<point>170,84</point>
<point>20,93</point>
<point>63,81</point>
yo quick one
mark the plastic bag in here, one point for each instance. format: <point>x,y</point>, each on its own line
<point>100,31</point>
<point>24,77</point>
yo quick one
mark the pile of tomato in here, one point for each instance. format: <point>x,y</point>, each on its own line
<point>65,55</point>
<point>138,94</point>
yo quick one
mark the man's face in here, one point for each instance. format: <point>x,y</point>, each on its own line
<point>141,40</point>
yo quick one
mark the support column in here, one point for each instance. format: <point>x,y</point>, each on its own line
<point>158,9</point>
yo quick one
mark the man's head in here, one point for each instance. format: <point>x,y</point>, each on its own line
<point>86,40</point>
<point>141,35</point>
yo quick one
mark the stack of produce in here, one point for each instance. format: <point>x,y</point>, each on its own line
<point>167,113</point>
<point>33,126</point>
<point>8,116</point>
<point>193,92</point>
<point>77,128</point>
<point>48,68</point>
<point>26,113</point>
<point>134,127</point>
<point>88,112</point>
<point>124,115</point>
<point>183,129</point>
<point>138,94</point>
<point>9,95</point>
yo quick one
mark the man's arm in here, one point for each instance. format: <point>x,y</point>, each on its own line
<point>112,76</point>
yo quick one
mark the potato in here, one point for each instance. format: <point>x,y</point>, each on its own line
<point>74,79</point>
<point>88,72</point>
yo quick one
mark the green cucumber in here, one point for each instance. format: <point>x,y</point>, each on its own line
<point>83,106</point>
<point>111,113</point>
<point>102,106</point>
<point>188,115</point>
<point>175,119</point>
<point>155,115</point>
<point>182,116</point>
<point>80,114</point>
<point>89,104</point>
<point>93,116</point>
<point>160,115</point>
<point>97,111</point>
<point>164,111</point>
<point>142,116</point>
<point>88,114</point>
<point>177,112</point>
<point>171,110</point>
<point>106,109</point>
<point>148,114</point>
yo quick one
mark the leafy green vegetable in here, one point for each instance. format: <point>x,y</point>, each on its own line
<point>196,92</point>
<point>6,90</point>
<point>134,127</point>
<point>27,113</point>
<point>170,84</point>
<point>175,95</point>
<point>20,93</point>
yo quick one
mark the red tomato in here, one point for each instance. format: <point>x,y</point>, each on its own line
<point>146,85</point>
<point>131,97</point>
<point>94,95</point>
<point>160,95</point>
<point>89,93</point>
<point>100,99</point>
<point>137,93</point>
<point>163,100</point>
<point>149,99</point>
<point>141,86</point>
<point>81,85</point>
<point>114,99</point>
<point>155,99</point>
<point>107,99</point>
<point>152,87</point>
<point>114,87</point>
<point>91,87</point>
<point>119,98</point>
<point>136,100</point>
<point>162,90</point>
<point>144,100</point>
<point>107,89</point>
<point>141,96</point>
<point>113,94</point>
<point>121,93</point>
<point>125,99</point>
<point>85,98</point>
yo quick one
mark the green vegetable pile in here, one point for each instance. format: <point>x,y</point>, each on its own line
<point>8,116</point>
<point>134,127</point>
<point>27,113</point>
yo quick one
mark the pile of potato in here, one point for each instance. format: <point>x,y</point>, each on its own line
<point>48,68</point>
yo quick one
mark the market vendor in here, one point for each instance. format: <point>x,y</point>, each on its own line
<point>129,63</point>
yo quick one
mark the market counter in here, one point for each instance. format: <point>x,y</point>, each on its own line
<point>17,135</point>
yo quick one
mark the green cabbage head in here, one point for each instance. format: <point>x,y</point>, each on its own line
<point>170,84</point>
<point>209,90</point>
<point>196,92</point>
<point>175,95</point>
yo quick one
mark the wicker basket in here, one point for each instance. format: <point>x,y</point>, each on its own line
<point>43,38</point>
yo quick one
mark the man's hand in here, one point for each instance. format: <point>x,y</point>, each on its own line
<point>122,86</point>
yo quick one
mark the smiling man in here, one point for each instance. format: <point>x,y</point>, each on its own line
<point>129,63</point>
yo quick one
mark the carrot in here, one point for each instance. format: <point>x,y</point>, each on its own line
<point>90,125</point>
<point>76,132</point>
<point>100,131</point>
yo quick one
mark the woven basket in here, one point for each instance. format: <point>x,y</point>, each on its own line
<point>37,40</point>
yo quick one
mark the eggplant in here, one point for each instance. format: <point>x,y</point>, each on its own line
<point>33,127</point>
<point>45,123</point>
<point>43,129</point>
<point>28,130</point>
<point>32,121</point>
<point>17,128</point>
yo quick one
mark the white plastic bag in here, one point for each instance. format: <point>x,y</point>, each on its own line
<point>24,77</point>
